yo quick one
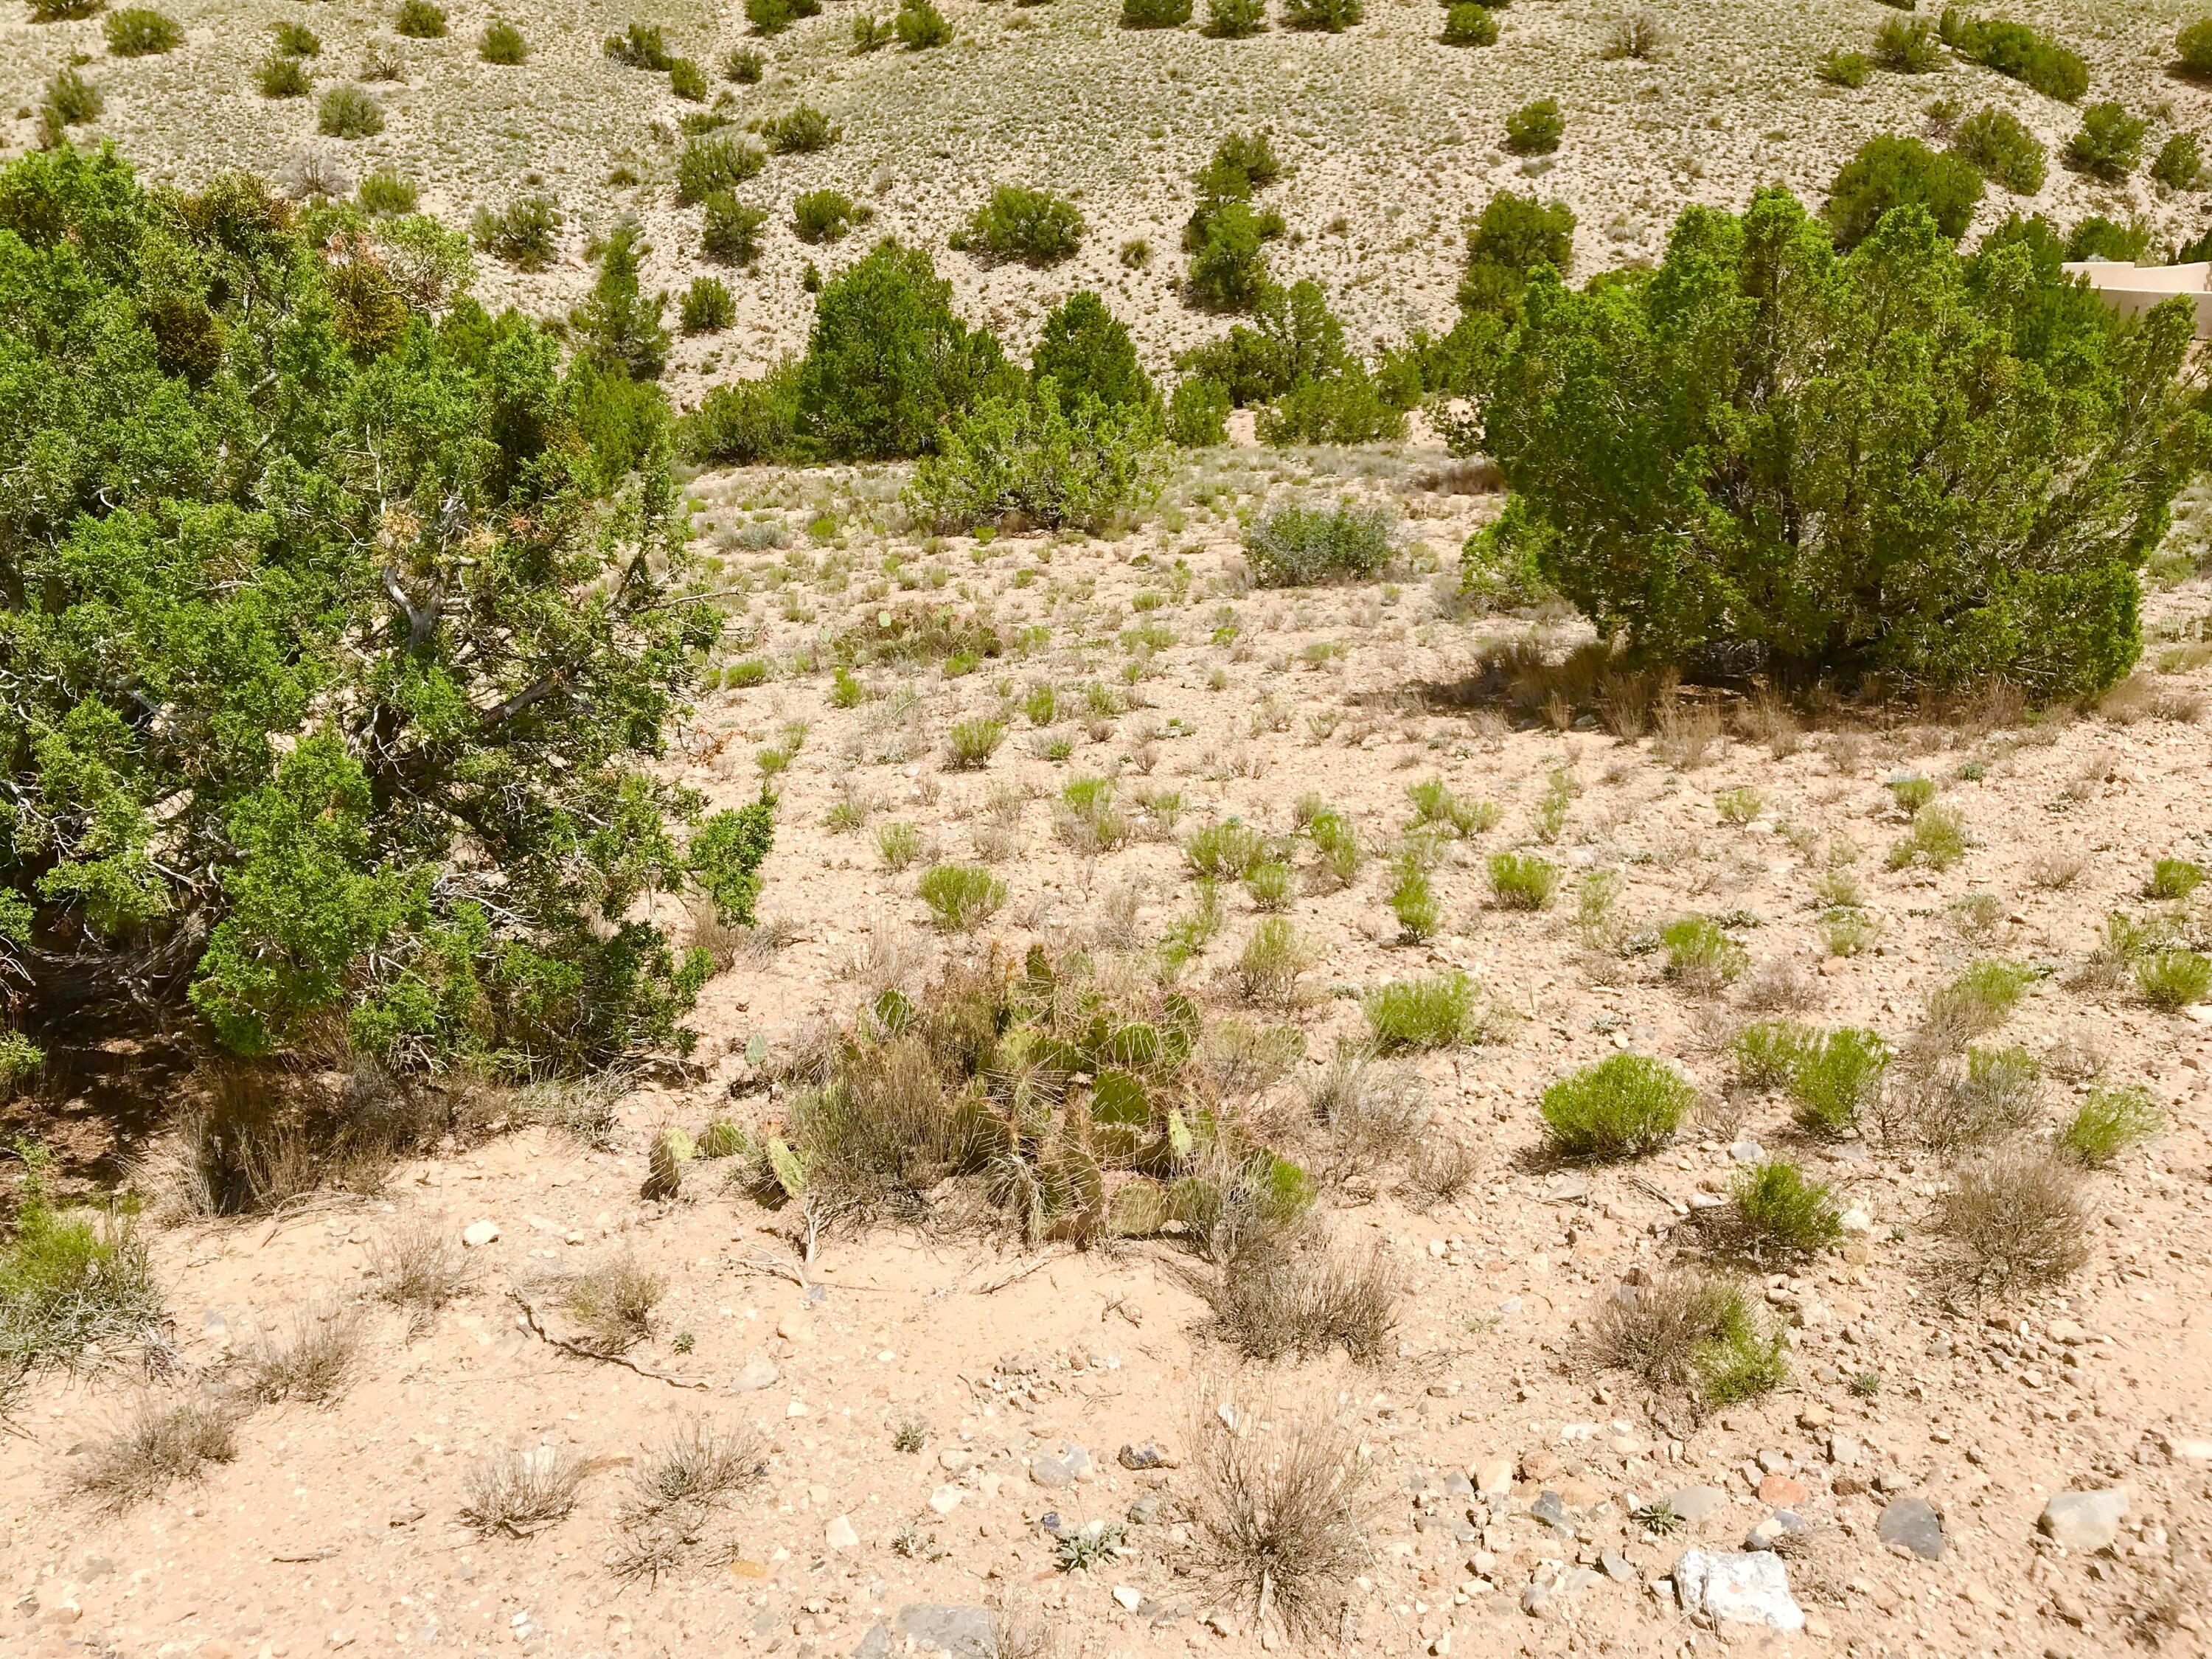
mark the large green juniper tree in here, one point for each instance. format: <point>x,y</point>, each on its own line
<point>330,662</point>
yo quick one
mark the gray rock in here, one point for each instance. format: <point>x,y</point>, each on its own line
<point>1146,1508</point>
<point>1150,1455</point>
<point>1461,1531</point>
<point>2085,1521</point>
<point>1767,1532</point>
<point>1748,1589</point>
<point>1458,1485</point>
<point>758,1372</point>
<point>876,1644</point>
<point>941,1627</point>
<point>1618,1567</point>
<point>1535,1600</point>
<point>1695,1504</point>
<point>1063,1468</point>
<point>1912,1524</point>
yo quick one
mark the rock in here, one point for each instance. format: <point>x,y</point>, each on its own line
<point>477,1234</point>
<point>2068,1332</point>
<point>1695,1504</point>
<point>1850,1485</point>
<point>1857,1222</point>
<point>2191,1452</point>
<point>1064,1468</point>
<point>1844,1448</point>
<point>1129,1597</point>
<point>1769,1532</point>
<point>1536,1599</point>
<point>840,1536</point>
<point>1816,1415</point>
<point>1781,1491</point>
<point>941,1627</point>
<point>1891,1480</point>
<point>1912,1524</point>
<point>1748,1589</point>
<point>1150,1455</point>
<point>1747,1151</point>
<point>946,1499</point>
<point>2085,1521</point>
<point>1146,1508</point>
<point>758,1372</point>
<point>1457,1485</point>
<point>1539,1466</point>
<point>1618,1567</point>
<point>876,1644</point>
<point>1493,1477</point>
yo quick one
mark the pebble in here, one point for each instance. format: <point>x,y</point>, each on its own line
<point>1493,1477</point>
<point>1695,1504</point>
<point>1782,1491</point>
<point>1152,1454</point>
<point>2085,1521</point>
<point>1913,1525</point>
<point>1129,1597</point>
<point>477,1234</point>
<point>942,1627</point>
<point>946,1499</point>
<point>1064,1468</point>
<point>839,1534</point>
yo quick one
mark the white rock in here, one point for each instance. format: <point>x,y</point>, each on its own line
<point>839,1534</point>
<point>946,1499</point>
<point>1128,1596</point>
<point>2085,1521</point>
<point>1731,1588</point>
<point>1856,1220</point>
<point>477,1234</point>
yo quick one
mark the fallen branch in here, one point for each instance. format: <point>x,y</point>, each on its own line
<point>538,1329</point>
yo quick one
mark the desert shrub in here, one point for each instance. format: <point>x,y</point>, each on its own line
<point>1535,128</point>
<point>1468,24</point>
<point>824,215</point>
<point>2179,163</point>
<point>714,162</point>
<point>1690,1332</point>
<point>382,192</point>
<point>1890,173</point>
<point>2174,979</point>
<point>871,34</point>
<point>2015,1221</point>
<point>970,744</point>
<point>2108,1124</point>
<point>676,1489</point>
<point>2099,238</point>
<point>1274,958</point>
<point>1937,839</point>
<point>142,32</point>
<point>613,1304</point>
<point>1228,269</point>
<point>1331,16</point>
<point>419,20</point>
<point>2109,142</point>
<point>687,81</point>
<point>2174,879</point>
<point>729,229</point>
<point>502,43</point>
<point>1235,20</point>
<point>1768,1052</point>
<point>800,131</point>
<point>642,46</point>
<point>1198,413</point>
<point>2017,51</point>
<point>71,100</point>
<point>1155,13</point>
<point>1350,406</point>
<point>1085,351</point>
<point>313,1363</point>
<point>56,11</point>
<point>522,233</point>
<point>1583,373</point>
<point>1226,850</point>
<point>1412,900</point>
<point>521,1494</point>
<point>921,26</point>
<point>1845,69</point>
<point>156,1447</point>
<point>708,306</point>
<point>71,1283</point>
<point>1290,1292</point>
<point>417,1267</point>
<point>1293,340</point>
<point>280,77</point>
<point>1837,1079</point>
<point>1995,143</point>
<point>619,326</point>
<point>2193,47</point>
<point>744,422</point>
<point>1908,45</point>
<point>744,65</point>
<point>1283,1504</point>
<point>1521,881</point>
<point>1436,807</point>
<point>1030,461</point>
<point>1701,957</point>
<point>1775,1214</point>
<point>349,111</point>
<point>1298,546</point>
<point>1622,1106</point>
<point>961,896</point>
<point>297,40</point>
<point>1436,1012</point>
<point>1030,226</point>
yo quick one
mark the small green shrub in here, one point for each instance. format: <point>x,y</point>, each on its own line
<point>1937,839</point>
<point>142,32</point>
<point>2109,1123</point>
<point>1337,842</point>
<point>1692,1331</point>
<point>1268,885</point>
<point>280,77</point>
<point>2179,163</point>
<point>2193,47</point>
<point>1997,143</point>
<point>825,216</point>
<point>1890,171</point>
<point>502,43</point>
<point>71,100</point>
<point>714,162</point>
<point>1413,900</point>
<point>1299,546</point>
<point>1523,881</point>
<point>1837,1078</point>
<point>708,306</point>
<point>749,672</point>
<point>1469,25</point>
<point>729,230</point>
<point>1268,968</point>
<point>1436,806</point>
<point>899,844</point>
<point>1536,128</point>
<point>871,34</point>
<point>2109,144</point>
<point>642,47</point>
<point>1701,957</point>
<point>1768,1052</point>
<point>383,192</point>
<point>523,234</point>
<point>57,11</point>
<point>970,744</point>
<point>1225,851</point>
<point>744,65</point>
<point>297,40</point>
<point>921,26</point>
<point>1030,226</point>
<point>1908,46</point>
<point>802,131</point>
<point>1229,265</point>
<point>1845,69</point>
<point>2019,52</point>
<point>70,1281</point>
<point>687,81</point>
<point>1776,1213</point>
<point>1155,13</point>
<point>2099,237</point>
<point>1979,1000</point>
<point>419,20</point>
<point>1738,805</point>
<point>1440,1011</point>
<point>1622,1106</point>
<point>1235,20</point>
<point>1198,414</point>
<point>2174,879</point>
<point>2174,979</point>
<point>349,111</point>
<point>1328,16</point>
<point>961,896</point>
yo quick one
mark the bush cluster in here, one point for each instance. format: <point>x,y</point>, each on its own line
<point>2015,50</point>
<point>1028,226</point>
<point>1889,172</point>
<point>1998,143</point>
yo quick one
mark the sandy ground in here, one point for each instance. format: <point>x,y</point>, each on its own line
<point>339,1529</point>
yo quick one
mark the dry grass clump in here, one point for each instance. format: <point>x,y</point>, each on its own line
<point>2017,1220</point>
<point>1690,1332</point>
<point>314,1363</point>
<point>676,1490</point>
<point>612,1303</point>
<point>1372,1113</point>
<point>1282,1505</point>
<point>69,1282</point>
<point>417,1267</point>
<point>521,1492</point>
<point>1441,1172</point>
<point>1293,1291</point>
<point>157,1446</point>
<point>1959,1103</point>
<point>1267,970</point>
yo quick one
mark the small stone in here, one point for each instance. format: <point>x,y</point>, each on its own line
<point>1857,1221</point>
<point>1146,1508</point>
<point>1063,1469</point>
<point>2068,1332</point>
<point>1493,1477</point>
<point>1781,1491</point>
<point>1913,1525</point>
<point>876,1644</point>
<point>1695,1504</point>
<point>1536,1599</point>
<point>1539,1466</point>
<point>1457,1485</point>
<point>1773,1529</point>
<point>2085,1521</point>
<point>1751,1588</point>
<point>1618,1567</point>
<point>1150,1456</point>
<point>1816,1415</point>
<point>477,1234</point>
<point>2070,1607</point>
<point>758,1372</point>
<point>1891,1480</point>
<point>940,1627</point>
<point>840,1536</point>
<point>946,1499</point>
<point>1129,1597</point>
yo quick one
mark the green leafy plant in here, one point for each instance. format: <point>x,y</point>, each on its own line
<point>1937,839</point>
<point>713,162</point>
<point>921,26</point>
<point>1235,20</point>
<point>1029,461</point>
<point>744,65</point>
<point>971,743</point>
<point>2109,142</point>
<point>1439,1012</point>
<point>419,20</point>
<point>2015,50</point>
<point>1225,851</point>
<point>1155,13</point>
<point>502,43</point>
<point>1999,145</point>
<point>349,111</point>
<point>142,32</point>
<point>1296,546</point>
<point>1468,24</point>
<point>1622,1106</point>
<point>1843,68</point>
<point>801,132</point>
<point>1738,805</point>
<point>2174,879</point>
<point>1775,1213</point>
<point>1701,957</point>
<point>730,230</point>
<point>1908,46</point>
<point>382,192</point>
<point>523,234</point>
<point>1327,16</point>
<point>641,46</point>
<point>687,81</point>
<point>2179,163</point>
<point>1768,1052</point>
<point>2174,979</point>
<point>708,306</point>
<point>1692,1331</point>
<point>1889,172</point>
<point>1836,1077</point>
<point>824,215</point>
<point>1413,900</point>
<point>1032,227</point>
<point>1521,881</point>
<point>961,896</point>
<point>2108,1124</point>
<point>1535,128</point>
<point>1436,806</point>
